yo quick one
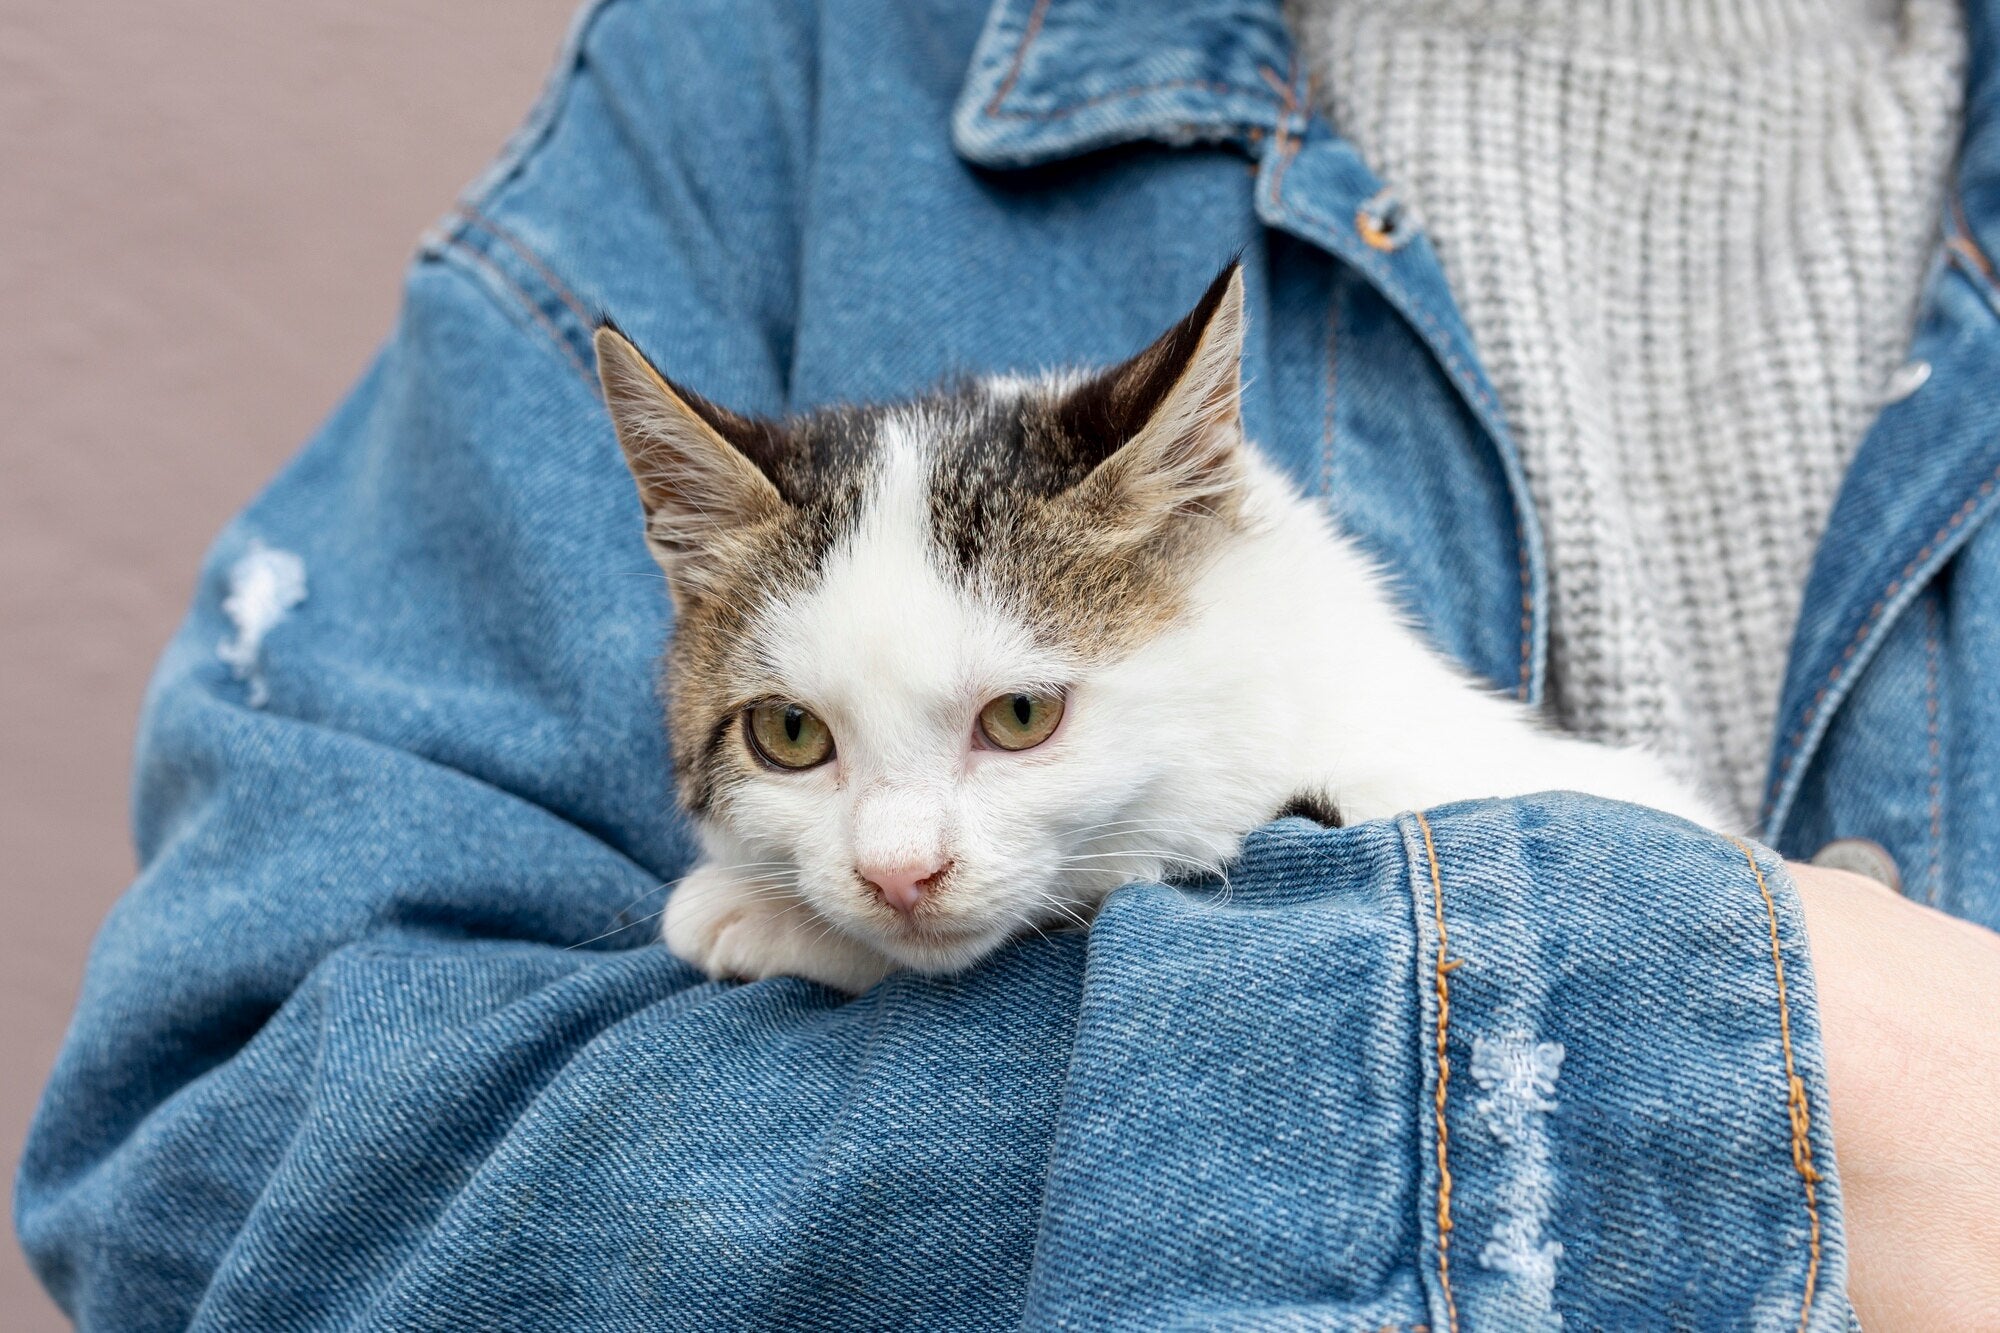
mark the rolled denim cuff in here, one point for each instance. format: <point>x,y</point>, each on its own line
<point>1504,1065</point>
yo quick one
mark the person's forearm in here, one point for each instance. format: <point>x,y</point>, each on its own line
<point>1908,1000</point>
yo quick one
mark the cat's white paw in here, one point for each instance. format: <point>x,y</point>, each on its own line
<point>743,932</point>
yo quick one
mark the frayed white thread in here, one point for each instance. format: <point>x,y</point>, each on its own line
<point>264,585</point>
<point>1520,1074</point>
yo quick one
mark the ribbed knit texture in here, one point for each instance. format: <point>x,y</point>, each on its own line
<point>1688,239</point>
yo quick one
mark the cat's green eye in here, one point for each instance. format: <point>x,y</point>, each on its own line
<point>785,735</point>
<point>1020,721</point>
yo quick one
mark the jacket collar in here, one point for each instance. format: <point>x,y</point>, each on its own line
<point>1054,78</point>
<point>1051,79</point>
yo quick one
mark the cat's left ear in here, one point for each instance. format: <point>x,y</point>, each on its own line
<point>1169,421</point>
<point>695,462</point>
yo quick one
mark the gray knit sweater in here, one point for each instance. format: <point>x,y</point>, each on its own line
<point>1688,238</point>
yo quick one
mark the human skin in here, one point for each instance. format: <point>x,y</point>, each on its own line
<point>1909,1003</point>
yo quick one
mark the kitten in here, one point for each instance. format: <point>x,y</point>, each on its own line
<point>948,669</point>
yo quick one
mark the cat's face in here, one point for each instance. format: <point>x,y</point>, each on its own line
<point>902,684</point>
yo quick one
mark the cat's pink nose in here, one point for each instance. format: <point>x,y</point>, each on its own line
<point>904,885</point>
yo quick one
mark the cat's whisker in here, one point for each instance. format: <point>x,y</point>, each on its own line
<point>1228,889</point>
<point>723,881</point>
<point>666,885</point>
<point>642,896</point>
<point>1129,833</point>
<point>826,929</point>
<point>605,935</point>
<point>1171,858</point>
<point>1133,851</point>
<point>1127,823</point>
<point>772,891</point>
<point>1070,914</point>
<point>1114,823</point>
<point>1124,827</point>
<point>1067,910</point>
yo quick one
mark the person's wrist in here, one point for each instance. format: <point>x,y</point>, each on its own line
<point>1908,1000</point>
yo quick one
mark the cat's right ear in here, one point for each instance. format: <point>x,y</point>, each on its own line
<point>1167,424</point>
<point>699,488</point>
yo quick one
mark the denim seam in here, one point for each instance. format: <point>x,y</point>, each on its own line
<point>1961,245</point>
<point>1869,624</point>
<point>1032,31</point>
<point>1935,745</point>
<point>1964,251</point>
<point>1287,147</point>
<point>457,247</point>
<point>1442,967</point>
<point>556,285</point>
<point>1284,142</point>
<point>1797,1105</point>
<point>1522,687</point>
<point>1028,35</point>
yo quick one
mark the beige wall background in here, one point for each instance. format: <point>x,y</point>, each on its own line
<point>204,213</point>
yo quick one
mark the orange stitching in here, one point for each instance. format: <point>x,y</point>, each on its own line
<point>1288,148</point>
<point>1931,654</point>
<point>1527,612</point>
<point>1868,624</point>
<point>507,238</point>
<point>1441,981</point>
<point>1283,141</point>
<point>1961,241</point>
<point>548,325</point>
<point>1332,390</point>
<point>1028,35</point>
<point>1796,1104</point>
<point>1966,250</point>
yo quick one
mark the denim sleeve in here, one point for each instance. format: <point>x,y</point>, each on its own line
<point>1502,1066</point>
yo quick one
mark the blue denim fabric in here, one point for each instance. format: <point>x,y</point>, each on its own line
<point>382,1036</point>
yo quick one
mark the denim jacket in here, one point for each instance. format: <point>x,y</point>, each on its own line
<point>383,1038</point>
